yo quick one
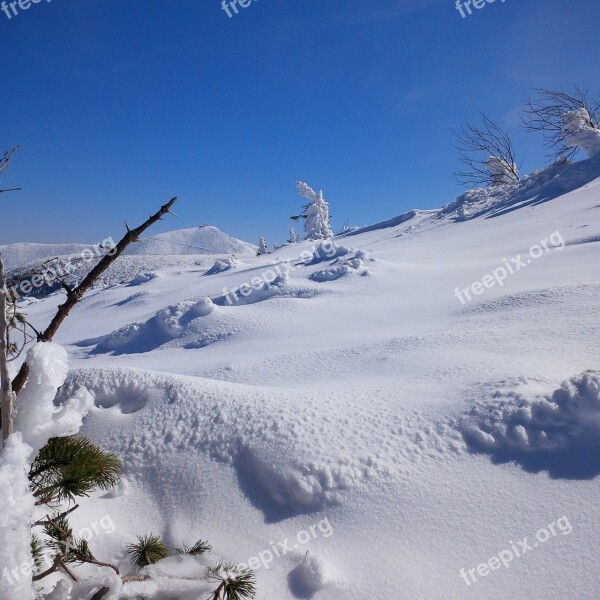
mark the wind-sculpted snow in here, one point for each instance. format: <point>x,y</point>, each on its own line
<point>559,432</point>
<point>278,445</point>
<point>539,187</point>
<point>380,402</point>
<point>343,266</point>
<point>168,324</point>
<point>222,264</point>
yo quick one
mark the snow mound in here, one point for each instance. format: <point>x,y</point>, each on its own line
<point>327,250</point>
<point>222,264</point>
<point>276,443</point>
<point>37,415</point>
<point>263,289</point>
<point>309,577</point>
<point>168,324</point>
<point>340,268</point>
<point>559,432</point>
<point>143,278</point>
<point>17,509</point>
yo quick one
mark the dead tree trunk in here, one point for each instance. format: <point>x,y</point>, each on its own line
<point>6,392</point>
<point>76,294</point>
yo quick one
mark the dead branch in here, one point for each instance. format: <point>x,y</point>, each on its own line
<point>77,293</point>
<point>6,391</point>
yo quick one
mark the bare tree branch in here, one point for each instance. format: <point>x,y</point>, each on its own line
<point>4,160</point>
<point>6,392</point>
<point>77,293</point>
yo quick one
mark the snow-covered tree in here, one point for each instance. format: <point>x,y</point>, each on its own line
<point>558,115</point>
<point>293,237</point>
<point>487,154</point>
<point>500,171</point>
<point>315,213</point>
<point>262,247</point>
<point>580,133</point>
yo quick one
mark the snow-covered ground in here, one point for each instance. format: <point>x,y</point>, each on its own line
<point>353,424</point>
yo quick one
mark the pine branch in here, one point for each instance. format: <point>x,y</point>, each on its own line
<point>149,550</point>
<point>200,547</point>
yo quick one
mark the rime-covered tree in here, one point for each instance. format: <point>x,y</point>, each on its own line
<point>579,134</point>
<point>487,154</point>
<point>293,237</point>
<point>262,247</point>
<point>315,213</point>
<point>569,121</point>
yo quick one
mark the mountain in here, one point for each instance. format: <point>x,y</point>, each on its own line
<point>23,254</point>
<point>197,240</point>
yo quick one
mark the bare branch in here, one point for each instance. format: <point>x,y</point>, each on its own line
<point>4,160</point>
<point>6,392</point>
<point>77,293</point>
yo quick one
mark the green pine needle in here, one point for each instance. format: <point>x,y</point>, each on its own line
<point>234,583</point>
<point>37,553</point>
<point>149,550</point>
<point>70,467</point>
<point>200,547</point>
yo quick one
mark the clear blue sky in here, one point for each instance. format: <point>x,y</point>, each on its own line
<point>120,104</point>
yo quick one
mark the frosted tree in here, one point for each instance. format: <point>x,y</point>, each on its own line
<point>558,114</point>
<point>262,247</point>
<point>579,133</point>
<point>500,172</point>
<point>315,213</point>
<point>293,237</point>
<point>487,154</point>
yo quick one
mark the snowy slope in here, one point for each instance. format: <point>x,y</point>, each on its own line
<point>352,413</point>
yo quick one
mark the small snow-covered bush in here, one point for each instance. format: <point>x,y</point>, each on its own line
<point>580,133</point>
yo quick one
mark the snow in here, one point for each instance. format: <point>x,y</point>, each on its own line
<point>429,433</point>
<point>550,432</point>
<point>580,133</point>
<point>37,416</point>
<point>501,171</point>
<point>17,509</point>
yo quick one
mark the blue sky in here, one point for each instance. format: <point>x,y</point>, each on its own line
<point>120,104</point>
